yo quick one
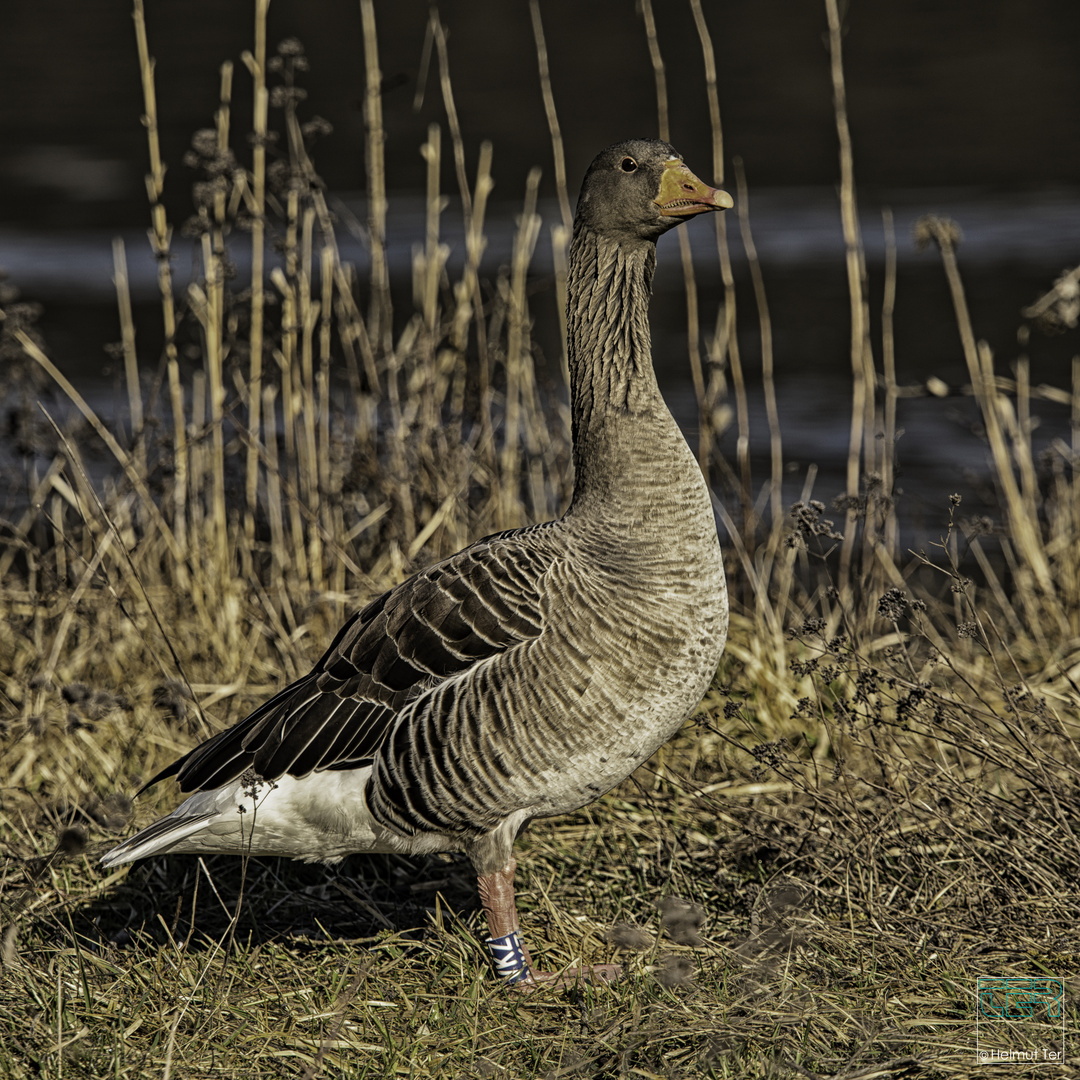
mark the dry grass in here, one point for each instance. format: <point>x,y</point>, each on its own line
<point>875,805</point>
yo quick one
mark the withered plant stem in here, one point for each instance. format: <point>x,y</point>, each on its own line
<point>1023,523</point>
<point>131,360</point>
<point>560,232</point>
<point>862,365</point>
<point>379,312</point>
<point>768,379</point>
<point>891,528</point>
<point>256,65</point>
<point>161,243</point>
<point>693,324</point>
<point>723,349</point>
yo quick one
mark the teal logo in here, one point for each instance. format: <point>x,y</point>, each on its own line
<point>1020,999</point>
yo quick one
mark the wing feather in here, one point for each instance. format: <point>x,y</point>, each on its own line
<point>321,732</point>
<point>486,599</point>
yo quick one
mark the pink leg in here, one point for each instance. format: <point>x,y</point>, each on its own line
<point>497,896</point>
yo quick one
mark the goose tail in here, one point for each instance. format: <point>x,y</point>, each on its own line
<point>321,817</point>
<point>195,825</point>
<point>164,835</point>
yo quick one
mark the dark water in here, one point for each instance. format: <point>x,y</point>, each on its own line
<point>939,92</point>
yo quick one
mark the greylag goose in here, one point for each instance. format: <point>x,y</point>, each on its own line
<point>534,670</point>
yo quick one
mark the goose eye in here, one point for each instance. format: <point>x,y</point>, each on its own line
<point>628,164</point>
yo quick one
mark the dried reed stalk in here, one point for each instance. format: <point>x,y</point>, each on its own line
<point>862,368</point>
<point>256,65</point>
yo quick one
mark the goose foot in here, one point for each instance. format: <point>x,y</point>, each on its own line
<point>511,955</point>
<point>593,974</point>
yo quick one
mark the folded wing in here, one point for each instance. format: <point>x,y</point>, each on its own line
<point>438,624</point>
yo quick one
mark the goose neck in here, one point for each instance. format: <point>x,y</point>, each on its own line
<point>608,343</point>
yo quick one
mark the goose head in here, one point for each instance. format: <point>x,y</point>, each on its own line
<point>640,188</point>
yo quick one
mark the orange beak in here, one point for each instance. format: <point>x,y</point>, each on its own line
<point>682,194</point>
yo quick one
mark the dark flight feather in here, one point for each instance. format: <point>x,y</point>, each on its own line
<point>478,603</point>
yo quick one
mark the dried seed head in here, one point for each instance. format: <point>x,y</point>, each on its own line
<point>172,697</point>
<point>682,919</point>
<point>290,46</point>
<point>71,841</point>
<point>808,521</point>
<point>74,722</point>
<point>632,938</point>
<point>938,230</point>
<point>205,142</point>
<point>675,971</point>
<point>100,705</point>
<point>892,605</point>
<point>316,127</point>
<point>114,813</point>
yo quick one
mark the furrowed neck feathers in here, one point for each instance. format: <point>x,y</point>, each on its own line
<point>607,320</point>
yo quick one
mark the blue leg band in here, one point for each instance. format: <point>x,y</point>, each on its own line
<point>509,957</point>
